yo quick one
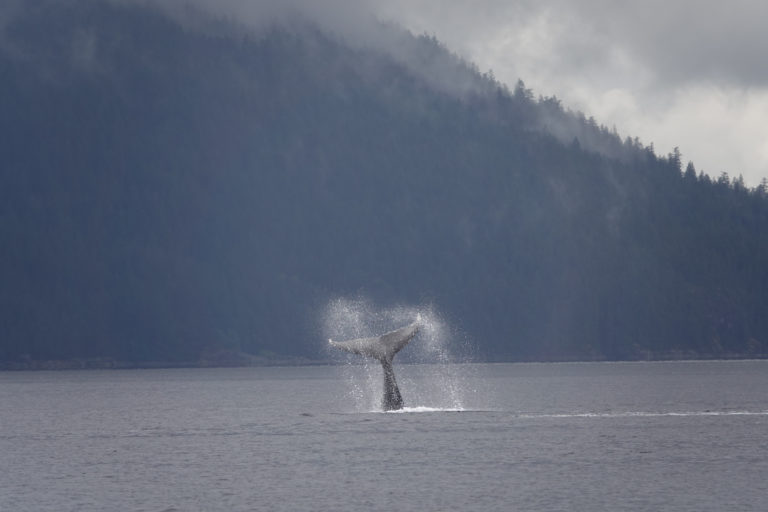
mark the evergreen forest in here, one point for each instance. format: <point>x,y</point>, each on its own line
<point>176,189</point>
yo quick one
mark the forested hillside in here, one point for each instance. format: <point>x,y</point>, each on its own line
<point>171,190</point>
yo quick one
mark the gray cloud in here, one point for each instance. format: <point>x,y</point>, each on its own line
<point>686,73</point>
<point>688,41</point>
<point>681,41</point>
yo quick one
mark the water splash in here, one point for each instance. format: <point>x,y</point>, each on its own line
<point>406,410</point>
<point>428,369</point>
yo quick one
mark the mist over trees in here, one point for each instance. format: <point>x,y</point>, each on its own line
<point>172,190</point>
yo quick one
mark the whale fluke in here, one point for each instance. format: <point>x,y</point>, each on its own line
<point>383,348</point>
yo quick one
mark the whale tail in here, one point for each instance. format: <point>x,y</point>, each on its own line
<point>383,348</point>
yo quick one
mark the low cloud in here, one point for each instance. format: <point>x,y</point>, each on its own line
<point>686,73</point>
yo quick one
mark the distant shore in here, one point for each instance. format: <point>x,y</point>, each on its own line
<point>247,360</point>
<point>236,361</point>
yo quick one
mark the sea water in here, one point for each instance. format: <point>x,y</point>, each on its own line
<point>576,436</point>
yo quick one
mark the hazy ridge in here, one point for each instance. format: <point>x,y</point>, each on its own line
<point>174,191</point>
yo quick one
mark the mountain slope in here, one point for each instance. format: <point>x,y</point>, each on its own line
<point>168,191</point>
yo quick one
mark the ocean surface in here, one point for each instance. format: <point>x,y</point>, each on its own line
<point>687,436</point>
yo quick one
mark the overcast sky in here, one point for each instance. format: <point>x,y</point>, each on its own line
<point>686,73</point>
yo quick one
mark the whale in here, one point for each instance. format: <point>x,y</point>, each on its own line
<point>383,348</point>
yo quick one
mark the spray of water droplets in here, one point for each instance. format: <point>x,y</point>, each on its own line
<point>430,370</point>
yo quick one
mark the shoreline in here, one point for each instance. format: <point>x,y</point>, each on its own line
<point>86,364</point>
